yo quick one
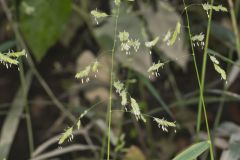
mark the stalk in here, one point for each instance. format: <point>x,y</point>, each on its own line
<point>111,83</point>
<point>27,110</point>
<point>235,26</point>
<point>201,83</point>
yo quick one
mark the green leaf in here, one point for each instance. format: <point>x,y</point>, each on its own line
<point>193,151</point>
<point>44,26</point>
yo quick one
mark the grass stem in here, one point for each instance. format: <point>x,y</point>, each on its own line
<point>111,84</point>
<point>201,103</point>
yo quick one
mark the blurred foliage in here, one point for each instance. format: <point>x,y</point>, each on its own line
<point>43,26</point>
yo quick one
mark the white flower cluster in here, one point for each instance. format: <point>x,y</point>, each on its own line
<point>127,43</point>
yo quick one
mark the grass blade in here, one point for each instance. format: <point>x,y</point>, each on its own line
<point>12,120</point>
<point>193,151</point>
<point>156,95</point>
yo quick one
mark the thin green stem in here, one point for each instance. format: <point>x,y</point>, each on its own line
<point>201,104</point>
<point>26,108</point>
<point>225,59</point>
<point>201,83</point>
<point>203,73</point>
<point>237,7</point>
<point>235,26</point>
<point>111,84</point>
<point>104,141</point>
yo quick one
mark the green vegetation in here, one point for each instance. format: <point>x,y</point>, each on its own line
<point>147,78</point>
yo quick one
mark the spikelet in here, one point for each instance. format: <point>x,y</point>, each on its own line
<point>153,70</point>
<point>170,38</point>
<point>89,70</point>
<point>118,86</point>
<point>167,36</point>
<point>123,36</point>
<point>83,114</point>
<point>67,135</point>
<point>127,43</point>
<point>123,95</point>
<point>152,43</point>
<point>83,74</point>
<point>95,66</point>
<point>11,58</point>
<point>175,34</point>
<point>17,54</point>
<point>78,124</point>
<point>218,8</point>
<point>198,40</point>
<point>218,68</point>
<point>97,15</point>
<point>214,60</point>
<point>121,90</point>
<point>135,109</point>
<point>164,124</point>
<point>220,71</point>
<point>135,44</point>
<point>4,59</point>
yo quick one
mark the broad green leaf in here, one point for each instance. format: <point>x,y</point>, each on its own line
<point>193,151</point>
<point>43,27</point>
